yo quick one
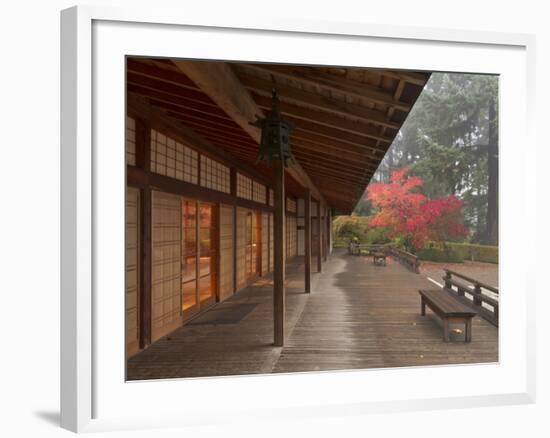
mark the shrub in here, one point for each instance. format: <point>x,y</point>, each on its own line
<point>468,251</point>
<point>440,254</point>
<point>477,253</point>
<point>345,228</point>
<point>348,227</point>
<point>376,236</point>
<point>340,243</point>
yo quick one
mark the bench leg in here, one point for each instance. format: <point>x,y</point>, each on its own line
<point>422,306</point>
<point>468,335</point>
<point>446,330</point>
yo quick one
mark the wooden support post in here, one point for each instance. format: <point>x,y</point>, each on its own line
<point>468,330</point>
<point>143,161</point>
<point>477,295</point>
<point>233,190</point>
<point>307,241</point>
<point>279,238</point>
<point>198,253</point>
<point>329,232</point>
<point>325,234</point>
<point>146,261</point>
<point>447,280</point>
<point>331,246</point>
<point>319,239</point>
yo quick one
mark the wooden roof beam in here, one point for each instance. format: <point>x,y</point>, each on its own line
<point>136,66</point>
<point>331,120</point>
<point>406,76</point>
<point>337,151</point>
<point>338,195</point>
<point>332,83</point>
<point>207,124</point>
<point>347,181</point>
<point>327,166</point>
<point>301,115</point>
<point>191,94</point>
<point>397,94</point>
<point>308,130</point>
<point>344,164</point>
<point>185,104</point>
<point>313,100</point>
<point>331,160</point>
<point>222,85</point>
<point>322,134</point>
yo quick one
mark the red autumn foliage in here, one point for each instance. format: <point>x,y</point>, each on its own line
<point>403,211</point>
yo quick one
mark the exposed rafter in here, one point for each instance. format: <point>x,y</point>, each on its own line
<point>316,101</point>
<point>220,83</point>
<point>330,120</point>
<point>346,118</point>
<point>322,80</point>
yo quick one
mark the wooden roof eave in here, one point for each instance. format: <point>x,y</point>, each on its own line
<point>344,122</point>
<point>221,84</point>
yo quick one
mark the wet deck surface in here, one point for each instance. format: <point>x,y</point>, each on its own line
<point>357,316</point>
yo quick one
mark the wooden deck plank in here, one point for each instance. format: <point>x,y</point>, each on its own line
<point>357,316</point>
<point>380,319</point>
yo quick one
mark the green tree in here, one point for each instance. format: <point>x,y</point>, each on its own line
<point>450,140</point>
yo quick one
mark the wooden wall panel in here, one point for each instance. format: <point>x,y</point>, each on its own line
<point>226,252</point>
<point>132,270</point>
<point>241,247</point>
<point>291,236</point>
<point>314,234</point>
<point>166,275</point>
<point>265,243</point>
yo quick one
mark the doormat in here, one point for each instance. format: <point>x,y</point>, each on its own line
<point>229,314</point>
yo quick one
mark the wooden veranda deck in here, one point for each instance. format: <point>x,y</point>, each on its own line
<point>357,316</point>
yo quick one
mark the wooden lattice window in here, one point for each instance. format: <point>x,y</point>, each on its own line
<point>172,158</point>
<point>215,175</point>
<point>244,187</point>
<point>258,192</point>
<point>291,205</point>
<point>130,141</point>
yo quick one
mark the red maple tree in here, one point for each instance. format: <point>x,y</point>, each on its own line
<point>405,212</point>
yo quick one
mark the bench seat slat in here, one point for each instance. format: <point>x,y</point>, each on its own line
<point>445,303</point>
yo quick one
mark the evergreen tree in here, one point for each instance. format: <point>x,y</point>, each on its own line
<point>450,140</point>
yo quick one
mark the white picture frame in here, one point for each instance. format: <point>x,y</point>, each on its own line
<point>93,181</point>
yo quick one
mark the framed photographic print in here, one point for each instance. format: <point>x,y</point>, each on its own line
<point>296,218</point>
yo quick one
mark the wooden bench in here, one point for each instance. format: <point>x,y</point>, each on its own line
<point>448,309</point>
<point>379,258</point>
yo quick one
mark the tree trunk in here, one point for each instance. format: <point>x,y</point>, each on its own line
<point>492,164</point>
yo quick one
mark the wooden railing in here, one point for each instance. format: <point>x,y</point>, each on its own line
<point>406,258</point>
<point>474,293</point>
<point>369,248</point>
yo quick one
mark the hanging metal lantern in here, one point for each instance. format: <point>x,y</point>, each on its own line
<point>275,140</point>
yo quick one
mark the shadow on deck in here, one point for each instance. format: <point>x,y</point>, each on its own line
<point>357,316</point>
